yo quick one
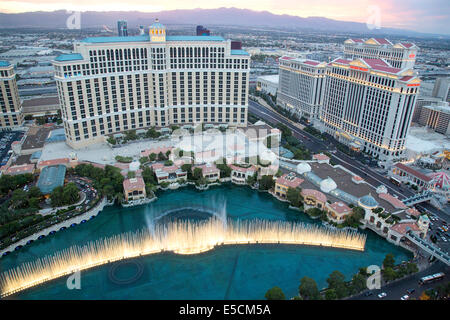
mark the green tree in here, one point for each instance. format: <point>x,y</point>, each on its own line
<point>266,182</point>
<point>336,281</point>
<point>358,283</point>
<point>149,176</point>
<point>389,274</point>
<point>161,157</point>
<point>308,289</point>
<point>152,157</point>
<point>389,261</point>
<point>70,193</point>
<point>197,174</point>
<point>330,294</point>
<point>294,197</point>
<point>275,293</point>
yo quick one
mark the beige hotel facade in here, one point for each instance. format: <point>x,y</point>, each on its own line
<point>115,84</point>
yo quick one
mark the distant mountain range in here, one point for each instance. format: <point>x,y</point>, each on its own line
<point>207,17</point>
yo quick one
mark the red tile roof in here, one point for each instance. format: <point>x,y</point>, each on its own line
<point>208,168</point>
<point>294,183</point>
<point>379,64</point>
<point>240,169</point>
<point>383,41</point>
<point>53,162</point>
<point>134,183</point>
<point>315,194</point>
<point>310,62</point>
<point>406,78</point>
<point>396,203</point>
<point>413,172</point>
<point>407,44</point>
<point>342,61</point>
<point>340,207</point>
<point>358,40</point>
<point>24,168</point>
<point>402,227</point>
<point>320,156</point>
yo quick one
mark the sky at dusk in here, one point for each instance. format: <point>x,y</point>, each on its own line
<point>423,16</point>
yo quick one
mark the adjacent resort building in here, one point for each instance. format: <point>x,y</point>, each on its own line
<point>114,84</point>
<point>400,55</point>
<point>10,105</point>
<point>368,105</point>
<point>300,86</point>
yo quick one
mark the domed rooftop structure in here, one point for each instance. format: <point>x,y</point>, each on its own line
<point>328,185</point>
<point>157,31</point>
<point>368,202</point>
<point>382,189</point>
<point>303,167</point>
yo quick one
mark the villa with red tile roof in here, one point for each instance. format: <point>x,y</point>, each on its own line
<point>314,198</point>
<point>134,189</point>
<point>239,175</point>
<point>168,173</point>
<point>337,211</point>
<point>210,171</point>
<point>286,181</point>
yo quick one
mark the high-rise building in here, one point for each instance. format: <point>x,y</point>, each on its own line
<point>202,31</point>
<point>368,105</point>
<point>122,28</point>
<point>441,88</point>
<point>399,55</point>
<point>300,86</point>
<point>115,84</point>
<point>10,104</point>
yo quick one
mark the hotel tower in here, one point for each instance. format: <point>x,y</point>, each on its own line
<point>10,104</point>
<point>300,86</point>
<point>368,105</point>
<point>114,84</point>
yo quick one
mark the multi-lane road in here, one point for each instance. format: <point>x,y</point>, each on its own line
<point>316,145</point>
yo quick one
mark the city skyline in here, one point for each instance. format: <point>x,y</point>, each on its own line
<point>429,17</point>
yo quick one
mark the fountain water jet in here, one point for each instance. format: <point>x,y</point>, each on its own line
<point>183,237</point>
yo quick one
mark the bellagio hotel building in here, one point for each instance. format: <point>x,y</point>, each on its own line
<point>115,84</point>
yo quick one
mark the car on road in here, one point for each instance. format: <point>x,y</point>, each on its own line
<point>382,295</point>
<point>405,297</point>
<point>410,291</point>
<point>368,293</point>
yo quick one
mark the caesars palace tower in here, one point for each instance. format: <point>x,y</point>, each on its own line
<point>115,84</point>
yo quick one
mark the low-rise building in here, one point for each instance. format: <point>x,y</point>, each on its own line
<point>239,175</point>
<point>406,174</point>
<point>337,211</point>
<point>286,181</point>
<point>268,84</point>
<point>314,198</point>
<point>210,172</point>
<point>20,169</point>
<point>134,189</point>
<point>168,173</point>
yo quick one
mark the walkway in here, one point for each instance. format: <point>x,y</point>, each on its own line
<point>428,247</point>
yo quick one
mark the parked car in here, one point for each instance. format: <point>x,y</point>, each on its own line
<point>382,295</point>
<point>410,291</point>
<point>368,293</point>
<point>405,297</point>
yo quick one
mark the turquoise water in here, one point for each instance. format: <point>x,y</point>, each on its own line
<point>228,272</point>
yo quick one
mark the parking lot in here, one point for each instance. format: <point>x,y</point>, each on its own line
<point>6,140</point>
